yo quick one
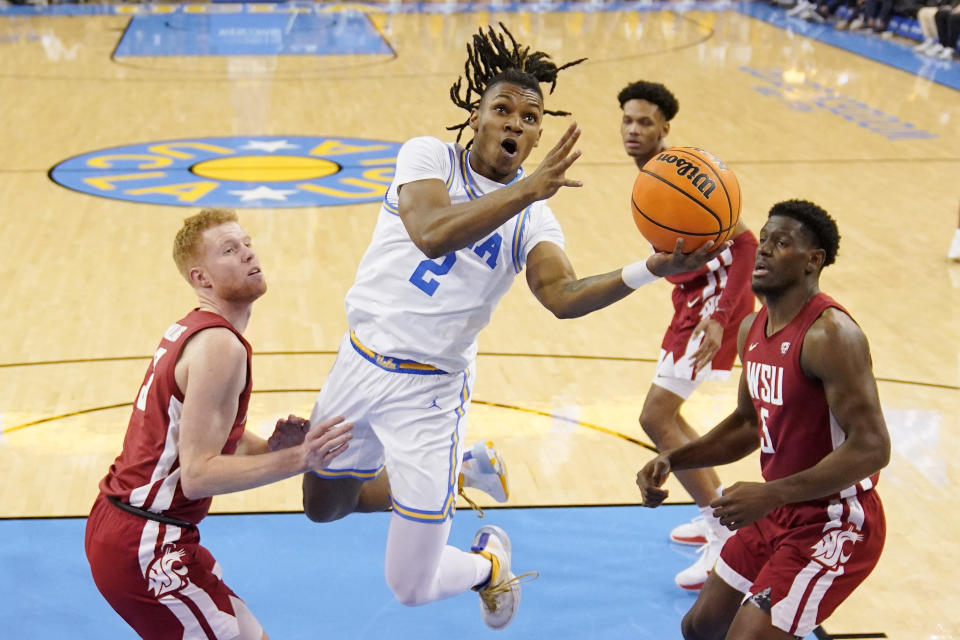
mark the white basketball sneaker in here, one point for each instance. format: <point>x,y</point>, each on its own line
<point>500,594</point>
<point>693,533</point>
<point>693,577</point>
<point>483,468</point>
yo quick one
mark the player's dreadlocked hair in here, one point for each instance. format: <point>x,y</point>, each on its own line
<point>492,60</point>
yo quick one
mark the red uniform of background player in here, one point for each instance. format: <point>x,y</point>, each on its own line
<point>814,530</point>
<point>186,442</point>
<point>701,341</point>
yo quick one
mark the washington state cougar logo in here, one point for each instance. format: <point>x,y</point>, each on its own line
<point>166,573</point>
<point>829,550</point>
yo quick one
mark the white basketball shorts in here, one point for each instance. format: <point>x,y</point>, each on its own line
<point>410,417</point>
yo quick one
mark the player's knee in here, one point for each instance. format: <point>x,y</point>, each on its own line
<point>328,500</point>
<point>321,512</point>
<point>407,593</point>
<point>655,424</point>
<point>694,628</point>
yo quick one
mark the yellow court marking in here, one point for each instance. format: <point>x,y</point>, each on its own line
<point>274,168</point>
<point>499,405</point>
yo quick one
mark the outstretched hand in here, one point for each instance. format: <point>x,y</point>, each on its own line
<point>663,263</point>
<point>325,441</point>
<point>551,174</point>
<point>650,479</point>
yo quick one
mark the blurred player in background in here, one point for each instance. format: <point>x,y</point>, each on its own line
<point>701,341</point>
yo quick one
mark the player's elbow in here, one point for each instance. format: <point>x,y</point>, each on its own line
<point>563,313</point>
<point>560,306</point>
<point>430,244</point>
<point>882,451</point>
<point>876,448</point>
<point>192,485</point>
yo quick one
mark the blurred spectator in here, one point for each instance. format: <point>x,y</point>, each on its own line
<point>947,20</point>
<point>928,28</point>
<point>854,19</point>
<point>876,15</point>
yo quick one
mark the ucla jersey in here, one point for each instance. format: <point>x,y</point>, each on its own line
<point>403,304</point>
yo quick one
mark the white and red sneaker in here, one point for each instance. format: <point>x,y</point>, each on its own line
<point>693,533</point>
<point>693,577</point>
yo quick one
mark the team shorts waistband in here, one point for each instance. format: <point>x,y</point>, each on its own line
<point>395,365</point>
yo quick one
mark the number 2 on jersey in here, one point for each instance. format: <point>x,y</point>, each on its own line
<point>421,279</point>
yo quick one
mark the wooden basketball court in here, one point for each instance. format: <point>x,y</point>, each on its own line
<point>89,284</point>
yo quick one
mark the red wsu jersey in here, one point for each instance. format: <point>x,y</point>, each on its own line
<point>797,429</point>
<point>722,286</point>
<point>146,474</point>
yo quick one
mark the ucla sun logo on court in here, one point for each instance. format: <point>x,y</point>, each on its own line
<point>241,171</point>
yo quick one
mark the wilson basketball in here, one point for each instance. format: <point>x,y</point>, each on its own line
<point>685,192</point>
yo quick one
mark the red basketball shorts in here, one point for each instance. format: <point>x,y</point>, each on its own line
<point>157,576</point>
<point>804,559</point>
<point>679,343</point>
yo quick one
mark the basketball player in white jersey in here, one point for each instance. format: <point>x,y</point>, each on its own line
<point>185,442</point>
<point>455,228</point>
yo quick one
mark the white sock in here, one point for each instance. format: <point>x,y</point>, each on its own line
<point>421,567</point>
<point>719,531</point>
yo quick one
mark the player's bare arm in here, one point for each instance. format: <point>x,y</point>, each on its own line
<point>211,373</point>
<point>735,437</point>
<point>836,352</point>
<point>554,282</point>
<point>438,227</point>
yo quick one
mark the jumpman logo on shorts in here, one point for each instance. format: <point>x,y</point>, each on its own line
<point>434,404</point>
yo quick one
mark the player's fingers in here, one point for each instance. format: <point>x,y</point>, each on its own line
<point>335,443</point>
<point>653,497</point>
<point>322,434</point>
<point>678,247</point>
<point>557,149</point>
<point>716,249</point>
<point>567,162</point>
<point>706,249</point>
<point>568,139</point>
<point>329,422</point>
<point>719,502</point>
<point>333,446</point>
<point>333,452</point>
